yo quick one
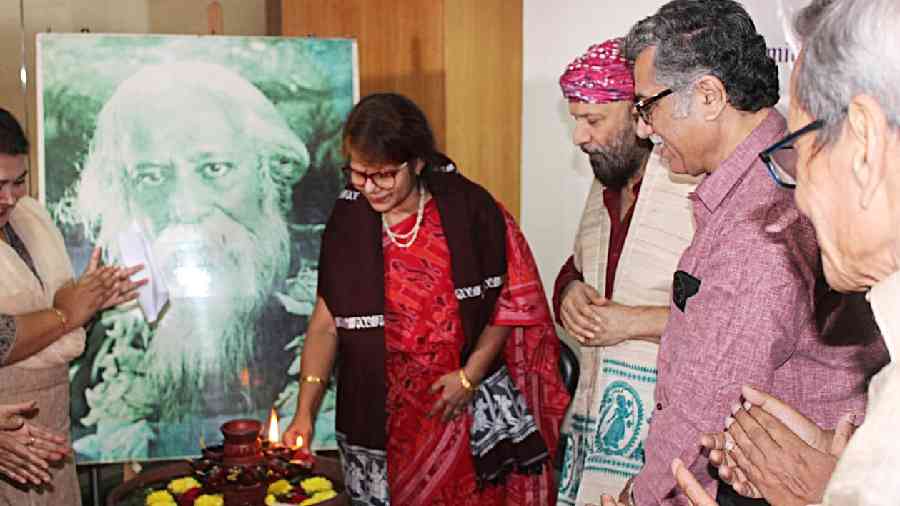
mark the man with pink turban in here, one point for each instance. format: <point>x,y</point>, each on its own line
<point>613,293</point>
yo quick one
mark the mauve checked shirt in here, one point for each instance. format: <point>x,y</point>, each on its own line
<point>751,322</point>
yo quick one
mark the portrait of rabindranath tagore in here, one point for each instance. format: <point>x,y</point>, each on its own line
<point>230,178</point>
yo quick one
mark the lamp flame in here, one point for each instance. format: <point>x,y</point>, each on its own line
<point>274,433</point>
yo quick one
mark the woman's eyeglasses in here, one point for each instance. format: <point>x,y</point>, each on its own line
<point>644,106</point>
<point>781,158</point>
<point>385,179</point>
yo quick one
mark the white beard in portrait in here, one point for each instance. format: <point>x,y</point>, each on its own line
<point>220,273</point>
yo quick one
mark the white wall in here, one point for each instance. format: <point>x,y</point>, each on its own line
<point>555,174</point>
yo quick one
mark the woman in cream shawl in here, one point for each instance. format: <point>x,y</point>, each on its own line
<point>42,313</point>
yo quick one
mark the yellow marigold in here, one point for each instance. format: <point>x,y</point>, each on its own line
<point>182,485</point>
<point>319,497</point>
<point>280,487</point>
<point>159,498</point>
<point>316,484</point>
<point>209,500</point>
<point>270,500</point>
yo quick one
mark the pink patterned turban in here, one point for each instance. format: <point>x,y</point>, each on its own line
<point>599,76</point>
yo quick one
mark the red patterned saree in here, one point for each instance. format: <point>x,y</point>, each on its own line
<point>430,461</point>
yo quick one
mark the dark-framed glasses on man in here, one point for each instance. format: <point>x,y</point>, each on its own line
<point>781,158</point>
<point>644,106</point>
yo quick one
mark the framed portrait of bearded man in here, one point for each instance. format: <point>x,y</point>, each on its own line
<point>225,151</point>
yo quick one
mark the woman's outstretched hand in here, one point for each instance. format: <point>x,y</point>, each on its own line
<point>99,287</point>
<point>299,432</point>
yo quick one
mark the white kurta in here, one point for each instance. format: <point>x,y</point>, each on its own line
<point>608,419</point>
<point>868,472</point>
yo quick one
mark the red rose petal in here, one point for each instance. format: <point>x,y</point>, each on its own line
<point>188,498</point>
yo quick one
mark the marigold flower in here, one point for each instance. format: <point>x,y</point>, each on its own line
<point>316,484</point>
<point>280,487</point>
<point>319,497</point>
<point>159,498</point>
<point>210,500</point>
<point>182,485</point>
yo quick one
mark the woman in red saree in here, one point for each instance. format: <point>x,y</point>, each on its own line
<point>448,390</point>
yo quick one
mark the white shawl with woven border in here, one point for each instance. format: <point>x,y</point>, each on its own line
<point>604,445</point>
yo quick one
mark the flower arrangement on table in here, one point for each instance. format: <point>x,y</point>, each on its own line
<point>190,492</point>
<point>246,471</point>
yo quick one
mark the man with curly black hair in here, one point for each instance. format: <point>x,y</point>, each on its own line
<point>743,296</point>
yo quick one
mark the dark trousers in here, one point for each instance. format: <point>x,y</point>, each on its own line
<point>726,496</point>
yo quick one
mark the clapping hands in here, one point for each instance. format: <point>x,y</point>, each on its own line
<point>99,287</point>
<point>768,450</point>
<point>771,450</point>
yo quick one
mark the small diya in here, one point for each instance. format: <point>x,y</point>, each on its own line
<point>246,471</point>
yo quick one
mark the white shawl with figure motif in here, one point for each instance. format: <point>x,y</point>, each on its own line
<point>22,293</point>
<point>608,419</point>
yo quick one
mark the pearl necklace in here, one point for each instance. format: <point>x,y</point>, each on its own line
<point>398,239</point>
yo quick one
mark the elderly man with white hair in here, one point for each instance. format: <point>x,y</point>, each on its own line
<point>205,163</point>
<point>745,298</point>
<point>845,114</point>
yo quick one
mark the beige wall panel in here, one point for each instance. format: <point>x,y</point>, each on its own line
<point>108,16</point>
<point>40,16</point>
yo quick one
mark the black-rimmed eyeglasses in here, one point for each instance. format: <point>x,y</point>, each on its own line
<point>644,106</point>
<point>385,179</point>
<point>781,158</point>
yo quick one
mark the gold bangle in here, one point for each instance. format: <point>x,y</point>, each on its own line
<point>465,382</point>
<point>62,316</point>
<point>312,379</point>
